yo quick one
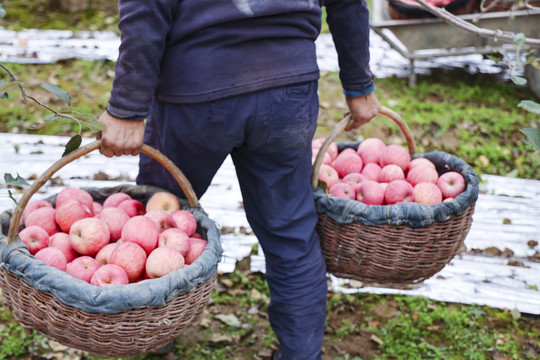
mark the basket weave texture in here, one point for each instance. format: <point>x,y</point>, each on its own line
<point>115,321</point>
<point>394,245</point>
<point>130,333</point>
<point>125,320</point>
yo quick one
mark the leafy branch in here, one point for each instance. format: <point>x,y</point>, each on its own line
<point>519,40</point>
<point>61,94</point>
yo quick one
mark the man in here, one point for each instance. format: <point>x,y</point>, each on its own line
<point>239,78</point>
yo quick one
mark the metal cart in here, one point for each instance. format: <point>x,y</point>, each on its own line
<point>426,38</point>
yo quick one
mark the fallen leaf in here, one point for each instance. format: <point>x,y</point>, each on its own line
<point>376,339</point>
<point>229,319</point>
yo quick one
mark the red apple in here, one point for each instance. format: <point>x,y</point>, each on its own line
<point>395,154</point>
<point>115,199</point>
<point>427,193</point>
<point>162,261</point>
<point>332,150</point>
<point>422,173</point>
<point>163,200</point>
<point>96,208</point>
<point>88,236</point>
<point>35,238</point>
<point>370,150</point>
<point>451,184</point>
<point>355,179</point>
<point>342,190</point>
<point>115,218</point>
<point>43,217</point>
<point>69,211</point>
<point>83,268</point>
<point>370,193</point>
<point>371,171</point>
<point>71,193</point>
<point>143,231</point>
<point>52,257</point>
<point>175,239</point>
<point>33,205</point>
<point>398,191</point>
<point>183,220</point>
<point>132,207</point>
<point>104,254</point>
<point>328,175</point>
<point>61,241</point>
<point>421,161</point>
<point>159,217</point>
<point>131,257</point>
<point>195,250</point>
<point>347,161</point>
<point>109,275</point>
<point>390,173</point>
<point>327,159</point>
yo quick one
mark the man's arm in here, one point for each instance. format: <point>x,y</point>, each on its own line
<point>348,21</point>
<point>144,26</point>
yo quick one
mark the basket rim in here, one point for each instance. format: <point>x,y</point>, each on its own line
<point>16,259</point>
<point>345,211</point>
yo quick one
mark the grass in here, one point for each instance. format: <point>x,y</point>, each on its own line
<point>359,326</point>
<point>452,111</point>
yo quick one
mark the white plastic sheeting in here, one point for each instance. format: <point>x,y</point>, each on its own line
<point>506,217</point>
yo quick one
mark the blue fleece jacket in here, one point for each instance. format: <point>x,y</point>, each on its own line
<point>200,50</point>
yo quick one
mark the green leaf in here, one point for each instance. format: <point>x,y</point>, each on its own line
<point>10,195</point>
<point>61,94</point>
<point>515,314</point>
<point>494,58</point>
<point>4,95</point>
<point>2,11</point>
<point>518,80</point>
<point>519,40</point>
<point>18,181</point>
<point>94,126</point>
<point>530,106</point>
<point>533,135</point>
<point>73,144</point>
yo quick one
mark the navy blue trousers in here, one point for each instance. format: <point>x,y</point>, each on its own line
<point>268,135</point>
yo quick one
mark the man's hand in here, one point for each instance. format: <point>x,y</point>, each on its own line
<point>362,109</point>
<point>120,137</point>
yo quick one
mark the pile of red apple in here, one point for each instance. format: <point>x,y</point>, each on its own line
<point>380,174</point>
<point>118,242</point>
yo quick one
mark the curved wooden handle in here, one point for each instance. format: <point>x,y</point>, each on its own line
<point>405,130</point>
<point>42,180</point>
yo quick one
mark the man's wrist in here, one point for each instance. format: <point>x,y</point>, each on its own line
<point>357,93</point>
<point>125,114</point>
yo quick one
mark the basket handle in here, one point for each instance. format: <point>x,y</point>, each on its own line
<point>60,163</point>
<point>340,126</point>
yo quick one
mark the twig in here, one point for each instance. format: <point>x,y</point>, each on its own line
<point>451,19</point>
<point>26,97</point>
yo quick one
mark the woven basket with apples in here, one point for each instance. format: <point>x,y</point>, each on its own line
<point>115,271</point>
<point>387,215</point>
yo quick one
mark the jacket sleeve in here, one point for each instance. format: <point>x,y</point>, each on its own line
<point>144,26</point>
<point>348,21</point>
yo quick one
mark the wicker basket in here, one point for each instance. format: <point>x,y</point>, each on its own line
<point>134,331</point>
<point>392,245</point>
